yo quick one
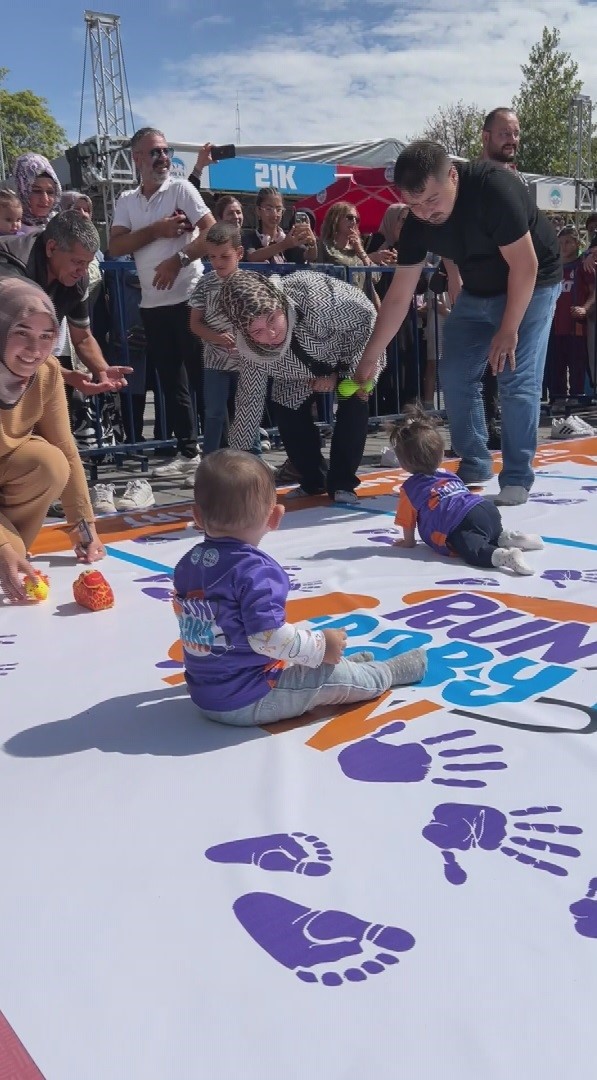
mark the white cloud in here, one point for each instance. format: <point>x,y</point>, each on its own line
<point>376,75</point>
<point>212,20</point>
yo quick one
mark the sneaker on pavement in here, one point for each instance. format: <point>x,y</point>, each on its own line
<point>346,498</point>
<point>300,493</point>
<point>179,466</point>
<point>102,498</point>
<point>511,495</point>
<point>137,495</point>
<point>570,427</point>
<point>286,473</point>
<point>265,440</point>
<point>56,510</point>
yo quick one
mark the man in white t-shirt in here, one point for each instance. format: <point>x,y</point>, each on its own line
<point>162,223</point>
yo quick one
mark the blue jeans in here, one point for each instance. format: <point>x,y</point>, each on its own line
<point>217,388</point>
<point>467,337</point>
<point>300,689</point>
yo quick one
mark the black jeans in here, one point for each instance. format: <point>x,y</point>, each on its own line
<point>171,349</point>
<point>303,445</point>
<point>476,538</point>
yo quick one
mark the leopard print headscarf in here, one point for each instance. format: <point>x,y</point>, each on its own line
<point>246,296</point>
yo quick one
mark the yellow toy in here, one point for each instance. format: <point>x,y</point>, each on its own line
<point>37,587</point>
<point>347,387</point>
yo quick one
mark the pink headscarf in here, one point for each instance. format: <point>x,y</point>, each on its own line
<point>28,169</point>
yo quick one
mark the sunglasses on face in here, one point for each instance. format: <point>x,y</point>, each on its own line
<point>353,219</point>
<point>161,151</point>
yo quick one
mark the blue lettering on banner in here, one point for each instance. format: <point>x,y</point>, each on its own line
<point>253,174</point>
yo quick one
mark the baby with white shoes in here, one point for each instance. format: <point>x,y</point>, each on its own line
<point>450,519</point>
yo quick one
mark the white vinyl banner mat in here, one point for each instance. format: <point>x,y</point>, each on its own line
<point>407,888</point>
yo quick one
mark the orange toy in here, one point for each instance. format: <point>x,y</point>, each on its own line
<point>91,590</point>
<point>37,586</point>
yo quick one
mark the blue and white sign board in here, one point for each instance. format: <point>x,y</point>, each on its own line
<point>252,174</point>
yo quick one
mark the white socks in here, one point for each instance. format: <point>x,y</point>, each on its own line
<point>523,541</point>
<point>510,559</point>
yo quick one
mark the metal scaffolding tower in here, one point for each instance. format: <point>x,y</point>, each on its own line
<point>580,166</point>
<point>110,169</point>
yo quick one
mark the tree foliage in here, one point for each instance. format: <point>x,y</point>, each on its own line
<point>550,80</point>
<point>27,124</point>
<point>458,128</point>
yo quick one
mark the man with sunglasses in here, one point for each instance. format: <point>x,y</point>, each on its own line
<point>163,223</point>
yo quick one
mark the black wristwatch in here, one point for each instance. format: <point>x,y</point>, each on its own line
<point>183,258</point>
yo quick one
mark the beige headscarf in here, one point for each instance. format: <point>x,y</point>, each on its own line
<point>246,296</point>
<point>18,299</point>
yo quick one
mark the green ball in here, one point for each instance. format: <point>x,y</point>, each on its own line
<point>348,387</point>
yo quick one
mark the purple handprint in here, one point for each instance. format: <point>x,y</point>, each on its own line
<point>585,912</point>
<point>7,639</point>
<point>560,577</point>
<point>296,853</point>
<point>376,761</point>
<point>467,827</point>
<point>5,669</point>
<point>318,945</point>
<point>550,499</point>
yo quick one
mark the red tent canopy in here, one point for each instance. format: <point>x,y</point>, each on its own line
<point>370,190</point>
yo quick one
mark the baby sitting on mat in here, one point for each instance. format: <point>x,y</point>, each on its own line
<point>245,664</point>
<point>451,519</point>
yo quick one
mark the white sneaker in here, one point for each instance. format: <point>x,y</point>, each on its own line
<point>582,425</point>
<point>508,538</point>
<point>511,559</point>
<point>137,496</point>
<point>388,458</point>
<point>179,466</point>
<point>265,440</point>
<point>570,427</point>
<point>346,498</point>
<point>102,498</point>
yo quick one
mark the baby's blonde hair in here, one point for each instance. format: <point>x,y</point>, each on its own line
<point>234,490</point>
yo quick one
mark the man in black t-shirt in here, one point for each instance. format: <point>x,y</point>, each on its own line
<point>503,256</point>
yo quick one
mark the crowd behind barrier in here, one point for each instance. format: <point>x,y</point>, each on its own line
<point>123,344</point>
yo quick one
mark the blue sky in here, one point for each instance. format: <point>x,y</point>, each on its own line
<point>306,71</point>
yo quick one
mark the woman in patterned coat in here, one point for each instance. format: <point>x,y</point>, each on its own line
<point>306,331</point>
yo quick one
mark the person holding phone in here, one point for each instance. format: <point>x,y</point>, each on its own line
<point>268,242</point>
<point>163,222</point>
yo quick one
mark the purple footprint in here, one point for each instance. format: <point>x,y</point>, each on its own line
<point>585,912</point>
<point>296,853</point>
<point>319,945</point>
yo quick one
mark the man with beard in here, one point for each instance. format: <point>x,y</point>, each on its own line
<point>503,262</point>
<point>155,223</point>
<point>501,137</point>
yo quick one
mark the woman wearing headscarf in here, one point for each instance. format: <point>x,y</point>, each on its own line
<point>39,461</point>
<point>306,330</point>
<point>38,188</point>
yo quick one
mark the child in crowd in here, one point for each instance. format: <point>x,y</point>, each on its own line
<point>245,664</point>
<point>11,213</point>
<point>451,519</point>
<point>221,359</point>
<point>568,353</point>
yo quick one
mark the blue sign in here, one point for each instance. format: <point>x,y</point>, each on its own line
<point>289,177</point>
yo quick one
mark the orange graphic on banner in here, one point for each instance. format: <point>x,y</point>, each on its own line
<point>357,721</point>
<point>559,610</point>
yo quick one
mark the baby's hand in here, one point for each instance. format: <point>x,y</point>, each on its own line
<point>335,644</point>
<point>402,541</point>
